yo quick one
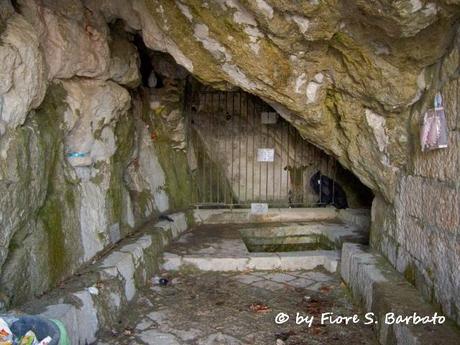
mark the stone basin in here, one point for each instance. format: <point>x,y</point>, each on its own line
<point>301,236</point>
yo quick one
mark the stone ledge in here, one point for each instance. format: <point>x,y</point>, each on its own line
<point>241,216</point>
<point>381,290</point>
<point>288,261</point>
<point>97,298</point>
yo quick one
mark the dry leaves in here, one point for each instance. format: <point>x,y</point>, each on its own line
<point>259,308</point>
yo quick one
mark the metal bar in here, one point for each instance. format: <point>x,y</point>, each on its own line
<point>192,136</point>
<point>302,163</point>
<point>219,135</point>
<point>334,167</point>
<point>188,116</point>
<point>254,156</point>
<point>266,140</point>
<point>225,147</point>
<point>268,145</point>
<point>281,131</point>
<point>320,186</point>
<point>259,140</point>
<point>232,119</point>
<point>295,167</point>
<point>298,161</point>
<point>247,147</point>
<point>203,165</point>
<point>239,147</point>
<point>274,136</point>
<point>288,161</point>
<point>212,148</point>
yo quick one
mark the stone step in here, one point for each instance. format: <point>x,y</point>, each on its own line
<point>302,236</point>
<point>288,261</point>
<point>383,291</point>
<point>96,298</point>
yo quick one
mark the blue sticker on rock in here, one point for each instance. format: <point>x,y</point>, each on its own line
<point>77,154</point>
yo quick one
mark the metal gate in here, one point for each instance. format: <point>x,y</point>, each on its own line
<point>241,152</point>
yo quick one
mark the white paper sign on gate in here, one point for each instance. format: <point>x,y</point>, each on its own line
<point>259,208</point>
<point>265,155</point>
<point>269,117</point>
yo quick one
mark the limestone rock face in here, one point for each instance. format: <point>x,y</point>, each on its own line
<point>73,39</point>
<point>148,187</point>
<point>354,77</point>
<point>94,108</point>
<point>33,248</point>
<point>124,64</point>
<point>337,70</point>
<point>116,9</point>
<point>22,72</point>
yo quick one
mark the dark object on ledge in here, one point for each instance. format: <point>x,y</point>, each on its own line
<point>329,191</point>
<point>165,217</point>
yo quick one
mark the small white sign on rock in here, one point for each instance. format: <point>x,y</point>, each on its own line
<point>259,208</point>
<point>265,155</point>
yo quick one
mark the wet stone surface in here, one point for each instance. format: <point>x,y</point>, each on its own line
<point>239,308</point>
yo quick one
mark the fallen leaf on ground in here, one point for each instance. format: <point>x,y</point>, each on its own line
<point>259,308</point>
<point>325,289</point>
<point>128,331</point>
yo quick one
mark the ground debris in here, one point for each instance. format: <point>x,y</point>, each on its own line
<point>241,307</point>
<point>259,308</point>
<point>326,289</point>
<point>284,335</point>
<point>315,306</point>
<point>128,331</point>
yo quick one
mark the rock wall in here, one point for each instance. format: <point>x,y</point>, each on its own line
<point>345,73</point>
<point>79,169</point>
<point>59,212</point>
<point>420,232</point>
<point>352,76</point>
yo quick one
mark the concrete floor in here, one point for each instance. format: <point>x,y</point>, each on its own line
<point>211,301</point>
<point>211,308</point>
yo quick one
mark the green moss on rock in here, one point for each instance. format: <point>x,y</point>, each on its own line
<point>144,200</point>
<point>410,274</point>
<point>60,201</point>
<point>174,162</point>
<point>124,132</point>
<point>175,166</point>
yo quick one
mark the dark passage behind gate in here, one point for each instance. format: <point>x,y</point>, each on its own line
<point>243,152</point>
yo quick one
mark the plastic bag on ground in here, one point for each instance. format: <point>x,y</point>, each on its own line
<point>47,331</point>
<point>6,335</point>
<point>41,326</point>
<point>29,339</point>
<point>46,341</point>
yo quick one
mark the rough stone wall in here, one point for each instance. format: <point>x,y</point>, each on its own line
<point>353,76</point>
<point>420,232</point>
<point>345,73</point>
<point>71,130</point>
<point>158,176</point>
